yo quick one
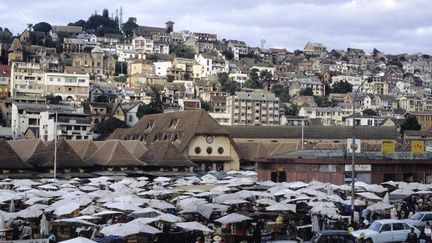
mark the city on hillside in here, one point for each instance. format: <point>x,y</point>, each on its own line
<point>116,132</point>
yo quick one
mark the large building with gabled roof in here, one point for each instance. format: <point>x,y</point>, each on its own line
<point>194,133</point>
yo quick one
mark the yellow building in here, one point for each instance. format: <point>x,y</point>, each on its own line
<point>194,133</point>
<point>96,63</point>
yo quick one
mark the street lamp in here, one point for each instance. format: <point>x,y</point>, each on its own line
<point>353,146</point>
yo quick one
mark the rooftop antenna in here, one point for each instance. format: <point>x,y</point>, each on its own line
<point>263,43</point>
<point>121,17</point>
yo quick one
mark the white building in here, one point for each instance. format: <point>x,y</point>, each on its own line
<point>160,68</point>
<point>189,87</point>
<point>268,69</point>
<point>212,64</point>
<point>143,45</point>
<point>329,115</point>
<point>253,108</point>
<point>26,115</point>
<point>70,87</point>
<point>240,78</point>
<point>355,81</point>
<point>27,79</point>
<point>130,112</point>
<point>161,48</point>
<point>70,126</point>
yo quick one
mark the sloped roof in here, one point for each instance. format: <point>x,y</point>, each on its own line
<point>84,148</point>
<point>179,127</point>
<point>164,153</point>
<point>312,132</point>
<point>135,147</point>
<point>9,159</point>
<point>16,45</point>
<point>43,156</point>
<point>113,153</point>
<point>25,147</point>
<point>119,133</point>
<point>252,151</point>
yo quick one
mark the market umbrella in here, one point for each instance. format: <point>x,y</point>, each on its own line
<point>193,226</point>
<point>2,225</point>
<point>44,226</point>
<point>386,199</point>
<point>107,212</point>
<point>234,201</point>
<point>402,192</point>
<point>282,207</point>
<point>170,218</point>
<point>75,221</point>
<point>29,213</point>
<point>129,229</point>
<point>369,195</point>
<point>123,206</point>
<point>232,218</point>
<point>379,206</point>
<point>66,209</point>
<point>266,201</point>
<point>78,240</point>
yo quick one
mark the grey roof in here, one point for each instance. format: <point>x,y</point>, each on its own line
<point>43,107</point>
<point>312,132</point>
<point>256,96</point>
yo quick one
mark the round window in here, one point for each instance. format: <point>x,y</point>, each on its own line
<point>197,150</point>
<point>209,150</point>
<point>220,150</point>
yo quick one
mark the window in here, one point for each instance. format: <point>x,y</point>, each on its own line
<point>209,150</point>
<point>130,118</point>
<point>398,226</point>
<point>197,150</point>
<point>220,150</point>
<point>386,227</point>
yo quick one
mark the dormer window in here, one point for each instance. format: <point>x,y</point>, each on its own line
<point>173,123</point>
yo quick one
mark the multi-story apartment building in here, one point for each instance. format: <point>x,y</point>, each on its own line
<point>27,116</point>
<point>205,37</point>
<point>96,63</point>
<point>212,64</point>
<point>253,108</point>
<point>238,48</point>
<point>5,73</point>
<point>328,115</point>
<point>70,87</point>
<point>27,79</point>
<point>143,45</point>
<point>70,126</point>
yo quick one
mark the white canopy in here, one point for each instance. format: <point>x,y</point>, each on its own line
<point>131,228</point>
<point>170,218</point>
<point>369,195</point>
<point>66,209</point>
<point>232,218</point>
<point>194,226</point>
<point>379,206</point>
<point>75,221</point>
<point>78,240</point>
<point>281,207</point>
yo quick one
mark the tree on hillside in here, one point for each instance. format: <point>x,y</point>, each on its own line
<point>281,91</point>
<point>129,27</point>
<point>410,123</point>
<point>227,85</point>
<point>370,112</point>
<point>180,50</point>
<point>254,80</point>
<point>341,87</point>
<point>105,13</point>
<point>80,22</point>
<point>42,27</point>
<point>110,125</point>
<point>5,35</point>
<point>154,107</point>
<point>101,25</point>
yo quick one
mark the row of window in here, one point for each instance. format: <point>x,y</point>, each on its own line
<point>209,150</point>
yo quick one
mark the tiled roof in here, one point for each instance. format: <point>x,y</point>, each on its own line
<point>164,153</point>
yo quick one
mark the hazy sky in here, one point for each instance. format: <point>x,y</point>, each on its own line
<point>392,26</point>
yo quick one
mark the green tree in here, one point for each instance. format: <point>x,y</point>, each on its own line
<point>281,91</point>
<point>154,107</point>
<point>101,25</point>
<point>369,112</point>
<point>80,22</point>
<point>5,35</point>
<point>180,50</point>
<point>105,13</point>
<point>51,99</point>
<point>265,75</point>
<point>227,85</point>
<point>341,87</point>
<point>228,54</point>
<point>306,92</point>
<point>205,105</point>
<point>410,123</point>
<point>102,98</point>
<point>254,79</point>
<point>42,27</point>
<point>129,27</point>
<point>110,125</point>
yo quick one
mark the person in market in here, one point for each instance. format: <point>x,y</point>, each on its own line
<point>412,237</point>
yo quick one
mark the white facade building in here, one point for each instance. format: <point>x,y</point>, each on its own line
<point>70,87</point>
<point>160,68</point>
<point>27,79</point>
<point>70,126</point>
<point>240,78</point>
<point>212,64</point>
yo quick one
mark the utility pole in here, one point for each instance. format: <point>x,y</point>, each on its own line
<point>55,145</point>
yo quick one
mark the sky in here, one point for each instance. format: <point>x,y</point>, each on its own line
<point>391,26</point>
